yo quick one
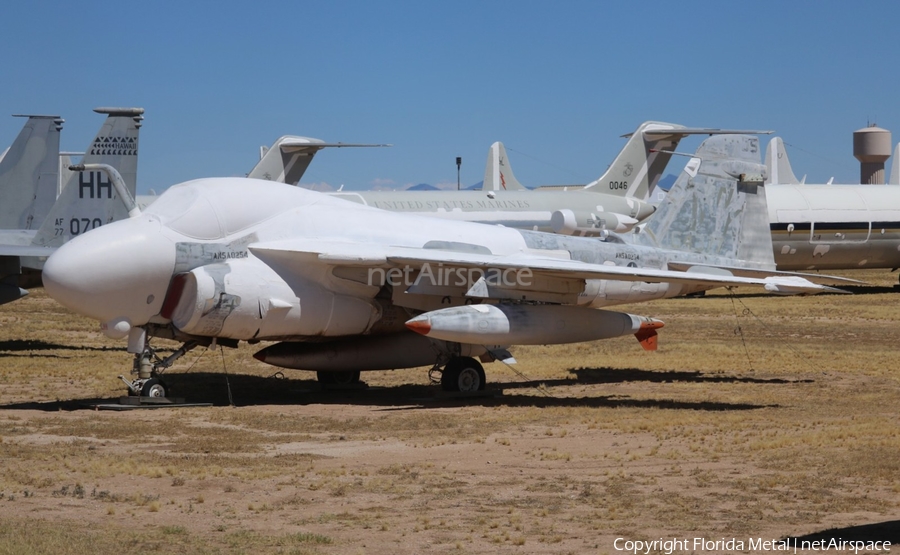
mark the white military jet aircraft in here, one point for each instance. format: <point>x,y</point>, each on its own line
<point>347,287</point>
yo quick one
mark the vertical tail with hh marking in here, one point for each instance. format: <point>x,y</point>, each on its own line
<point>89,199</point>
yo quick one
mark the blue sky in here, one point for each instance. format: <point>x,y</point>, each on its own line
<point>557,83</point>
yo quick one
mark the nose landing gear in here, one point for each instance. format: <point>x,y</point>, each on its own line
<point>149,366</point>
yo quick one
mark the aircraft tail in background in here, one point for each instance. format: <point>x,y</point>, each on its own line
<point>498,174</point>
<point>778,164</point>
<point>287,159</point>
<point>89,199</point>
<point>640,164</point>
<point>29,173</point>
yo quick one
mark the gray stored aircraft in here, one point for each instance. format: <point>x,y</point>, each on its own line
<point>89,200</point>
<point>29,174</point>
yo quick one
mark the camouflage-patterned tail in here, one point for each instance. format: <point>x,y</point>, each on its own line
<point>498,174</point>
<point>778,165</point>
<point>29,174</point>
<point>89,199</point>
<point>287,159</point>
<point>717,206</point>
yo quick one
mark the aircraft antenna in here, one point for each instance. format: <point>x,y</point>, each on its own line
<point>458,164</point>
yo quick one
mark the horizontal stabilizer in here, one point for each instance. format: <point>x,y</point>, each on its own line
<point>287,159</point>
<point>685,131</point>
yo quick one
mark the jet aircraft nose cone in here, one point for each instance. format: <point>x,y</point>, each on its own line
<point>116,272</point>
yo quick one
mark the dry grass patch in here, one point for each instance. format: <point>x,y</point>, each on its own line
<point>781,420</point>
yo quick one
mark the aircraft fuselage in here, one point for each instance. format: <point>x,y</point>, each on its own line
<point>834,227</point>
<point>533,210</point>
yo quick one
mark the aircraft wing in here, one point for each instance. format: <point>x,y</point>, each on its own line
<point>545,274</point>
<point>752,272</point>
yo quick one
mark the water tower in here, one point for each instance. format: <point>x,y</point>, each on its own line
<point>872,147</point>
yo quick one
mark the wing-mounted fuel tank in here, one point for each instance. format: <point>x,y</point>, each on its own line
<point>522,324</point>
<point>244,299</point>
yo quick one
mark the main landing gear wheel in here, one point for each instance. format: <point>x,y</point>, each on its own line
<point>348,377</point>
<point>154,387</point>
<point>463,374</point>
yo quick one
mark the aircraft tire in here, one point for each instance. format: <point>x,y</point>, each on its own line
<point>154,387</point>
<point>463,374</point>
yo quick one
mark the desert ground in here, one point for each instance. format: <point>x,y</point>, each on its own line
<point>758,417</point>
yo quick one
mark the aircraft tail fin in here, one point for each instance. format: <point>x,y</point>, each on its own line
<point>498,174</point>
<point>639,166</point>
<point>895,167</point>
<point>717,206</point>
<point>287,159</point>
<point>29,174</point>
<point>778,165</point>
<point>89,199</point>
